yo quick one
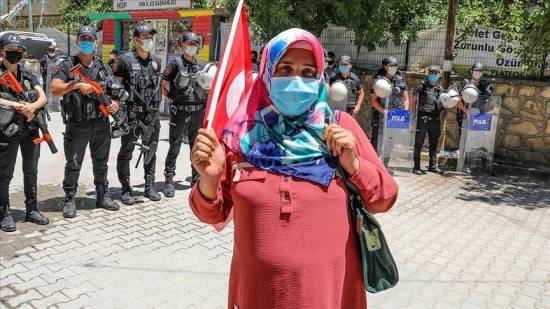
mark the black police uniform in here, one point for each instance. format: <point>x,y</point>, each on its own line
<point>428,121</point>
<point>45,63</point>
<point>399,85</point>
<point>187,109</point>
<point>142,81</point>
<point>353,85</point>
<point>30,153</point>
<point>331,72</point>
<point>85,124</point>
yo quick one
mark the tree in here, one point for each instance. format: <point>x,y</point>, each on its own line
<point>525,21</point>
<point>376,23</point>
<point>75,11</point>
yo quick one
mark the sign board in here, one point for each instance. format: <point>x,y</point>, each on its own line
<point>481,122</point>
<point>142,5</point>
<point>399,119</point>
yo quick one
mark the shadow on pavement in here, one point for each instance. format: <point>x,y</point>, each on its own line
<point>55,204</point>
<point>528,193</point>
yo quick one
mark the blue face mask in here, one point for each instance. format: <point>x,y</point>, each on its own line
<point>343,69</point>
<point>293,95</point>
<point>433,78</point>
<point>86,47</point>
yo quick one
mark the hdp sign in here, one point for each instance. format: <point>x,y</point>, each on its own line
<point>398,119</point>
<point>481,122</point>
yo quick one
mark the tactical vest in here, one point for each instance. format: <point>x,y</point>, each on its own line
<point>182,86</point>
<point>11,121</point>
<point>352,91</point>
<point>428,100</point>
<point>143,85</point>
<point>78,107</point>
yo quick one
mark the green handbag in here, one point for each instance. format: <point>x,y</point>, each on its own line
<point>379,268</point>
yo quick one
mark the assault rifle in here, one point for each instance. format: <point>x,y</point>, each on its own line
<point>147,146</point>
<point>120,126</point>
<point>40,118</point>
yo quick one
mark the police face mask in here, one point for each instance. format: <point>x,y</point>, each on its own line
<point>293,95</point>
<point>13,56</point>
<point>392,70</point>
<point>343,69</point>
<point>477,75</point>
<point>86,47</point>
<point>191,50</point>
<point>433,78</point>
<point>147,45</point>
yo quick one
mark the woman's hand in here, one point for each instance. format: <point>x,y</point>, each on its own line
<point>208,156</point>
<point>342,144</point>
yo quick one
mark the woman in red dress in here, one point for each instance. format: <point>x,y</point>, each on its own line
<point>274,169</point>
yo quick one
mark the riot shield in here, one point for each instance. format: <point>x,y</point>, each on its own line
<point>397,132</point>
<point>479,129</point>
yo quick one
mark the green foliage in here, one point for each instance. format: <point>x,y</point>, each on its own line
<point>75,11</point>
<point>526,22</point>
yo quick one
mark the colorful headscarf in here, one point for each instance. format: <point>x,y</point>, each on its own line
<point>272,141</point>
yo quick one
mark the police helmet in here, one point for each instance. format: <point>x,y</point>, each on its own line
<point>469,93</point>
<point>338,92</point>
<point>382,87</point>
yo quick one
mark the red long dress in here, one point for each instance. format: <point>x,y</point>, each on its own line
<point>293,244</point>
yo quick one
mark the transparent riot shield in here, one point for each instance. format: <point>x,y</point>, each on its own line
<point>396,135</point>
<point>479,129</point>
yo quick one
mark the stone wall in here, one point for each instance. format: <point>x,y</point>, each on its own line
<point>523,136</point>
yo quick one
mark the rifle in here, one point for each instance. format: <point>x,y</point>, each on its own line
<point>7,78</point>
<point>120,124</point>
<point>147,146</point>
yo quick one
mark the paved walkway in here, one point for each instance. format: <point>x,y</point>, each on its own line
<point>460,242</point>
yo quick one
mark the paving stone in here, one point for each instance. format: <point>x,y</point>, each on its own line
<point>457,243</point>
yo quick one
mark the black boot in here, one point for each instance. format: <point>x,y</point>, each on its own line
<point>169,190</point>
<point>103,198</point>
<point>127,197</point>
<point>69,205</point>
<point>150,190</point>
<point>435,169</point>
<point>7,224</point>
<point>33,215</point>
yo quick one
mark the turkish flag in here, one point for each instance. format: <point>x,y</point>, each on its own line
<point>233,79</point>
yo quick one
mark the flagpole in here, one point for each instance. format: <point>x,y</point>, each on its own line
<point>221,71</point>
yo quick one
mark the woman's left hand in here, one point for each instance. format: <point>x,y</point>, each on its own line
<point>343,145</point>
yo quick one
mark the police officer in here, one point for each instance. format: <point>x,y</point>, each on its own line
<point>399,94</point>
<point>187,105</point>
<point>139,71</point>
<point>483,86</point>
<point>48,64</point>
<point>112,57</point>
<point>428,118</point>
<point>254,60</point>
<point>356,95</point>
<point>332,69</point>
<point>85,124</point>
<point>17,132</point>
